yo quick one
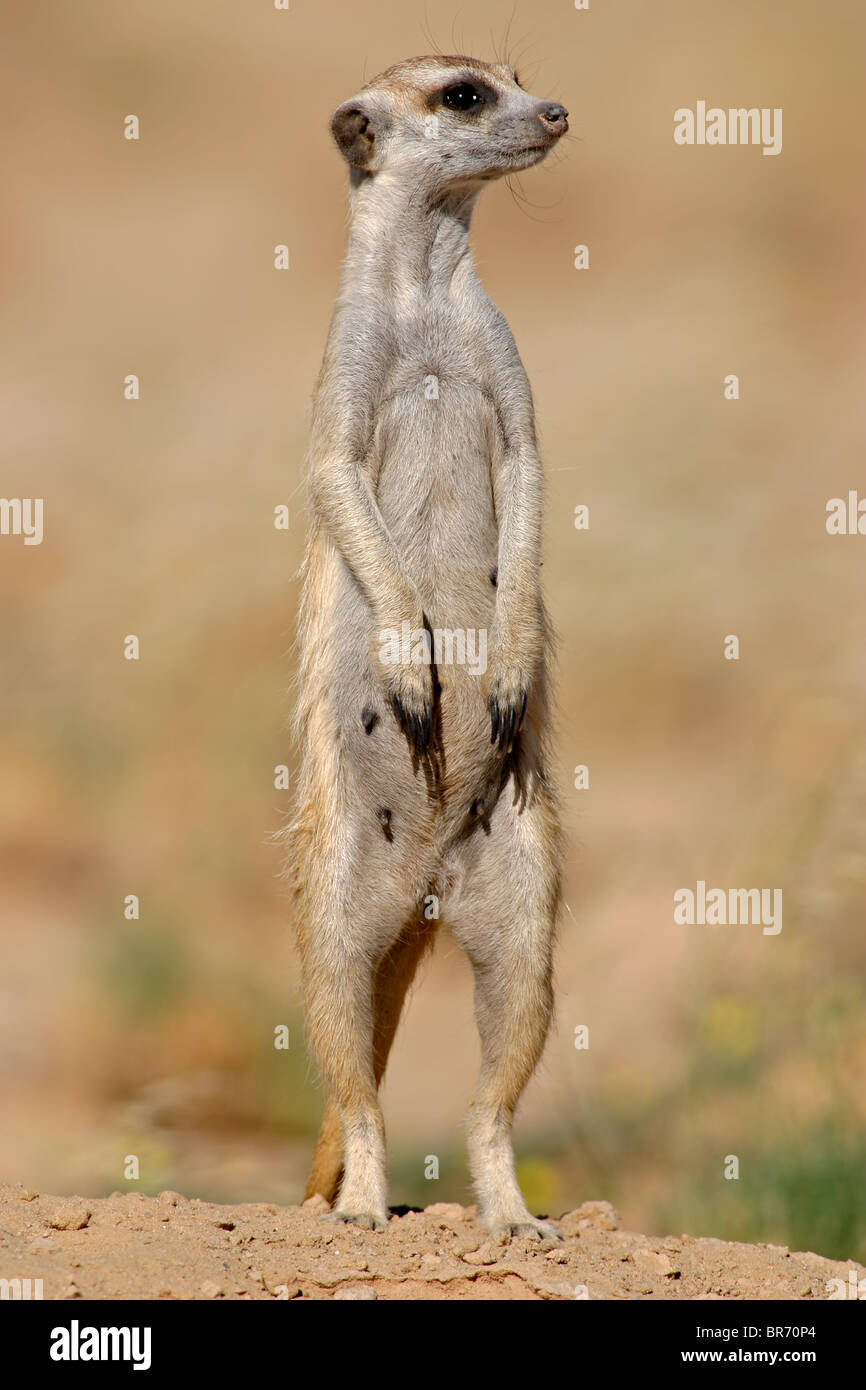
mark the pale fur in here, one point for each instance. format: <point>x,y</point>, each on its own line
<point>423,511</point>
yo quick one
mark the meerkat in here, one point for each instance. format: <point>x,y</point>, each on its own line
<point>424,795</point>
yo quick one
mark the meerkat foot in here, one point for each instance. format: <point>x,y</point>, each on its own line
<point>366,1220</point>
<point>521,1224</point>
<point>361,1201</point>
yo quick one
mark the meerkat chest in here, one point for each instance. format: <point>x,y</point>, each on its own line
<point>437,440</point>
<point>435,395</point>
<point>440,342</point>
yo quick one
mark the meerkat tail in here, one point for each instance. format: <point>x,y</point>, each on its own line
<point>327,1171</point>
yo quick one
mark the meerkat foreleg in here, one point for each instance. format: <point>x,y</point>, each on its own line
<point>517,640</point>
<point>344,502</point>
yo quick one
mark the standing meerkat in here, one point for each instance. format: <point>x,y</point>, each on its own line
<point>423,688</point>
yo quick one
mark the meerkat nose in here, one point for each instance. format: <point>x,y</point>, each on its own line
<point>554,117</point>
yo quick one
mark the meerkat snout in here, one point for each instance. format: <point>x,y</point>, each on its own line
<point>554,117</point>
<point>446,120</point>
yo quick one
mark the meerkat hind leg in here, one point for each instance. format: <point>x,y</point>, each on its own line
<point>394,975</point>
<point>354,1006</point>
<point>505,922</point>
<point>339,983</point>
<point>346,1055</point>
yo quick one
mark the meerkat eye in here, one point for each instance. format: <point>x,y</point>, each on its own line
<point>463,97</point>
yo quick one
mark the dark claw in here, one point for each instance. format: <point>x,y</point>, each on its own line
<point>522,712</point>
<point>417,728</point>
<point>512,727</point>
<point>494,715</point>
<point>507,717</point>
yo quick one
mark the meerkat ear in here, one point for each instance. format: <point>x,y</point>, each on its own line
<point>353,126</point>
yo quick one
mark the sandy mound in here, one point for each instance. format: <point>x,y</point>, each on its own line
<point>131,1246</point>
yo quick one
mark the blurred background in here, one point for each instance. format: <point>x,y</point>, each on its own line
<point>155,1036</point>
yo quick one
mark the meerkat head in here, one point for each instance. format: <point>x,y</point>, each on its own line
<point>446,121</point>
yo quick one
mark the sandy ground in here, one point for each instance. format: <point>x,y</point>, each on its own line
<point>131,1246</point>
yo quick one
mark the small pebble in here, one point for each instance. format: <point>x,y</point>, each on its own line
<point>72,1216</point>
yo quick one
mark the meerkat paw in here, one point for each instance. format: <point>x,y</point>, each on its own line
<point>410,691</point>
<point>507,693</point>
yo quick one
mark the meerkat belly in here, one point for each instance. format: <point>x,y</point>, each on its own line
<point>435,493</point>
<point>432,482</point>
<point>433,455</point>
<point>435,452</point>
